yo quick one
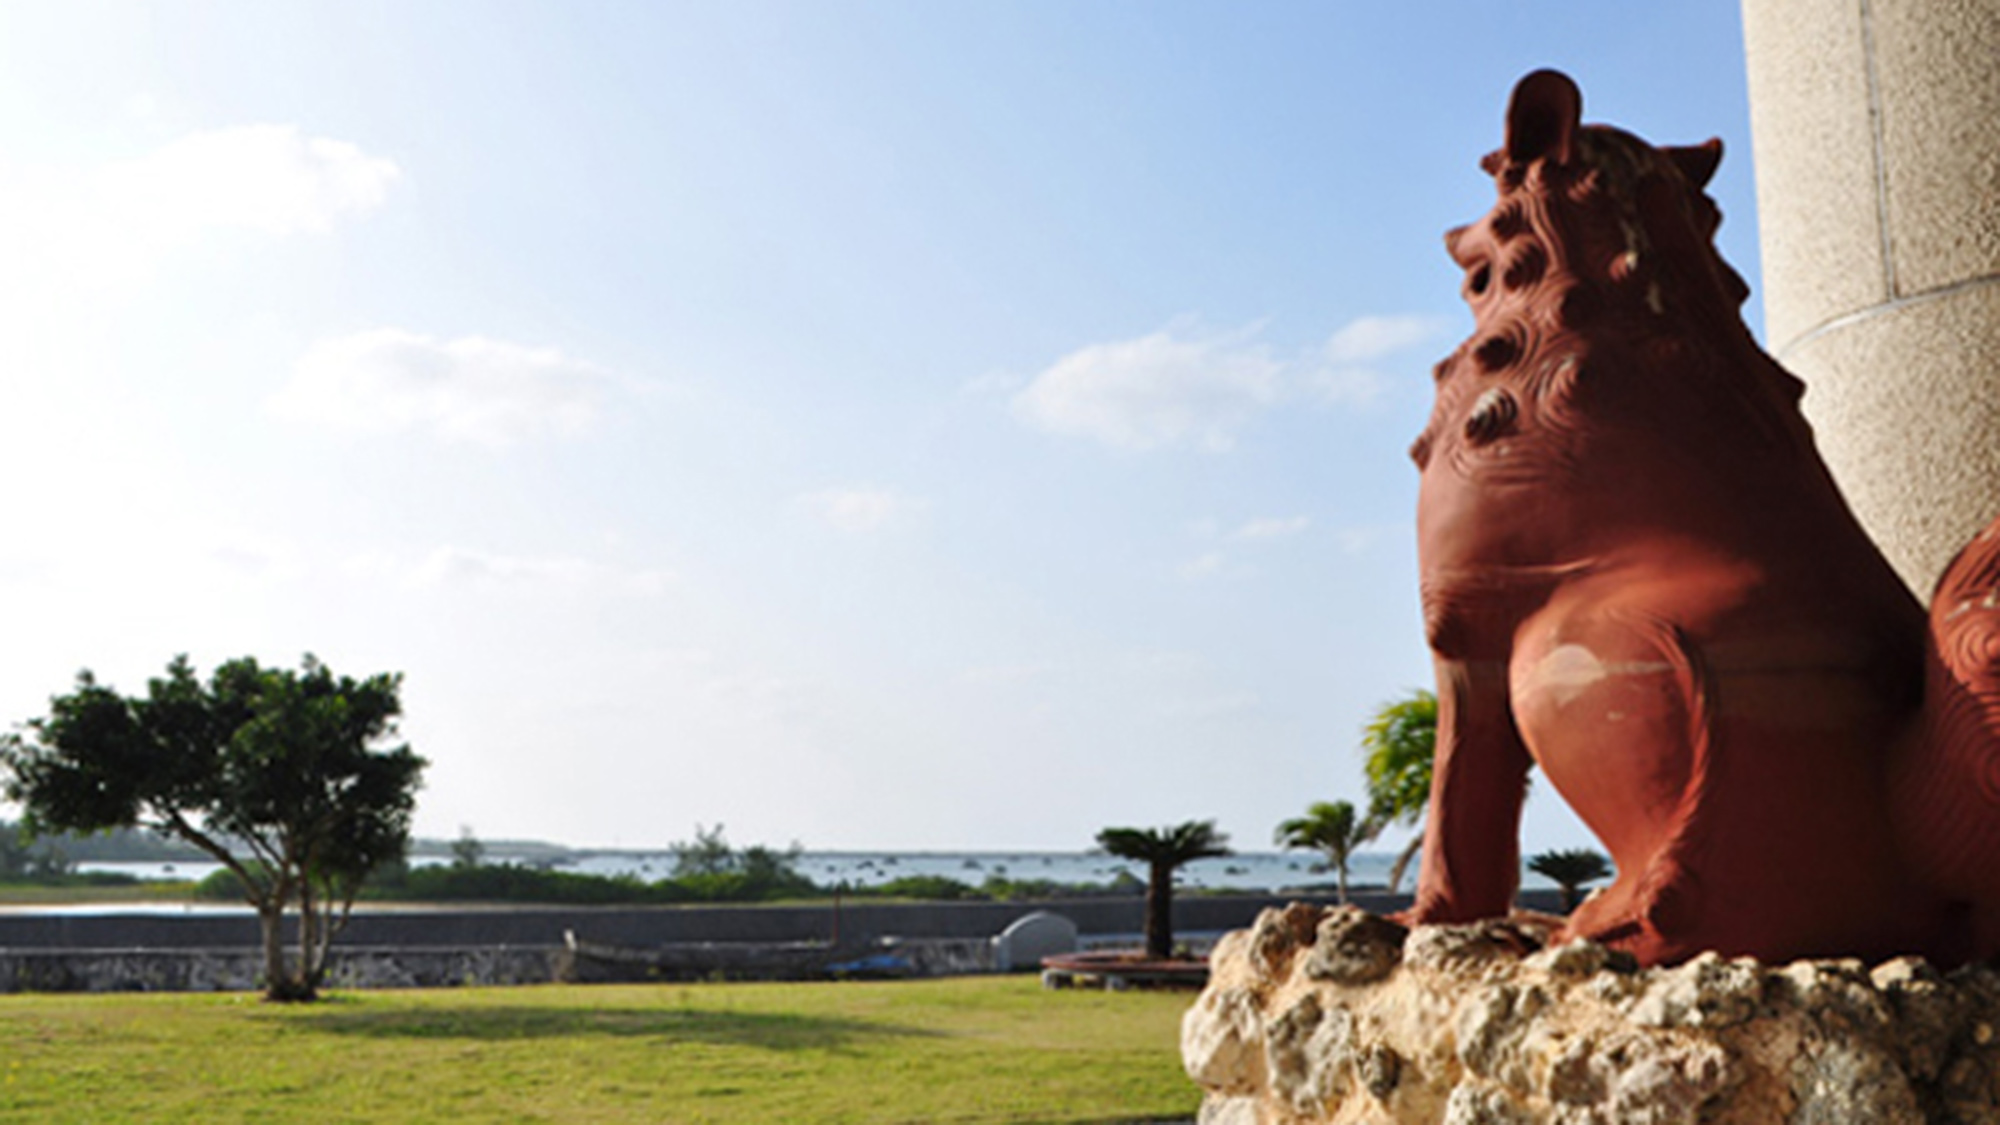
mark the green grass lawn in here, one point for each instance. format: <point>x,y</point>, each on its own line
<point>976,1049</point>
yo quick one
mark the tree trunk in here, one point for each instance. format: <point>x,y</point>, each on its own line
<point>1340,878</point>
<point>329,910</point>
<point>309,941</point>
<point>1160,912</point>
<point>278,982</point>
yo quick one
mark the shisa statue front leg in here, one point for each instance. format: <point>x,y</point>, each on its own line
<point>1472,850</point>
<point>1616,704</point>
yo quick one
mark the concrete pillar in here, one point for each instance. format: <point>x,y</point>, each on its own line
<point>1876,126</point>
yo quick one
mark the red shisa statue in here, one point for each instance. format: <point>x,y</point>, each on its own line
<point>1638,574</point>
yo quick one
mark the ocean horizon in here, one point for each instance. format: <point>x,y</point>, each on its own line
<point>1261,872</point>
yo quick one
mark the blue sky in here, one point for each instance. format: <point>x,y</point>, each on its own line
<point>880,425</point>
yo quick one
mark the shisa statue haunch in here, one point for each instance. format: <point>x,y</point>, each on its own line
<point>1638,574</point>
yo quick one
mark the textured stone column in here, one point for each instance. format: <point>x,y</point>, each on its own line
<point>1876,125</point>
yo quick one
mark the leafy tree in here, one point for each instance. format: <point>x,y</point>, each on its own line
<point>273,773</point>
<point>1163,851</point>
<point>709,870</point>
<point>467,851</point>
<point>1398,744</point>
<point>709,854</point>
<point>26,859</point>
<point>1331,828</point>
<point>1571,870</point>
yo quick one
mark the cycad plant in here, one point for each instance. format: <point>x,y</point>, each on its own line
<point>1163,851</point>
<point>1571,870</point>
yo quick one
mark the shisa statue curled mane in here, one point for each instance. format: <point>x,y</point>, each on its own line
<point>1638,574</point>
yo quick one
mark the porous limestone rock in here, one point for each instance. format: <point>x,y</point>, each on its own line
<point>1335,1015</point>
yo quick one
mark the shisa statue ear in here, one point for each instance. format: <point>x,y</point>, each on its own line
<point>1697,162</point>
<point>1543,117</point>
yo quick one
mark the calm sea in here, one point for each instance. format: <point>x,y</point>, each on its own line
<point>1250,871</point>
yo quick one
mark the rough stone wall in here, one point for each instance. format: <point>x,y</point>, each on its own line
<point>403,926</point>
<point>1336,1015</point>
<point>236,969</point>
<point>241,970</point>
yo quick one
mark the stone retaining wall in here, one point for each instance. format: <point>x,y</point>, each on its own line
<point>458,927</point>
<point>430,948</point>
<point>242,970</point>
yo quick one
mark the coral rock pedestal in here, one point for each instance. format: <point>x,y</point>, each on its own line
<point>1336,1015</point>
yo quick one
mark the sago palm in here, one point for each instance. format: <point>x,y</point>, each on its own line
<point>1571,870</point>
<point>1163,851</point>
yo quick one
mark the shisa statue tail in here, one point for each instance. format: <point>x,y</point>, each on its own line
<point>1946,785</point>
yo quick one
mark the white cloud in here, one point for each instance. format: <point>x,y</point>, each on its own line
<point>111,222</point>
<point>1168,389</point>
<point>271,178</point>
<point>488,392</point>
<point>451,567</point>
<point>1156,391</point>
<point>1209,564</point>
<point>1345,373</point>
<point>1372,337</point>
<point>1271,528</point>
<point>859,509</point>
<point>1214,563</point>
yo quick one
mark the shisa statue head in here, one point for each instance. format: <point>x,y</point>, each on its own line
<point>1597,265</point>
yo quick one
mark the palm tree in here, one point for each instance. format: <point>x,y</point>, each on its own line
<point>1398,744</point>
<point>1331,828</point>
<point>1570,870</point>
<point>1163,851</point>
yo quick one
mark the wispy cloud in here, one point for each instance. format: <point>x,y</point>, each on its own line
<point>1216,563</point>
<point>249,555</point>
<point>992,383</point>
<point>1174,389</point>
<point>472,389</point>
<point>1004,674</point>
<point>859,509</point>
<point>1372,337</point>
<point>450,567</point>
<point>1208,564</point>
<point>1346,371</point>
<point>1271,527</point>
<point>1364,538</point>
<point>1158,390</point>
